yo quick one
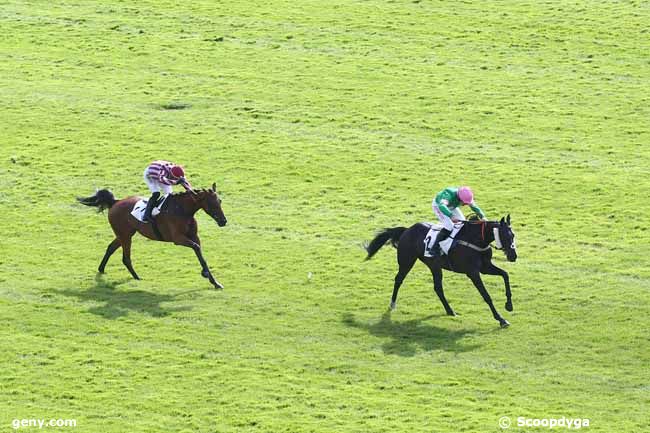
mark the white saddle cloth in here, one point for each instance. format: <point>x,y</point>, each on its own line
<point>141,206</point>
<point>430,238</point>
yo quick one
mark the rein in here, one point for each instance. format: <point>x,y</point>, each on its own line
<point>497,238</point>
<point>472,246</point>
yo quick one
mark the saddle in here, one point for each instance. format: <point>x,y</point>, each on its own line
<point>141,205</point>
<point>445,245</point>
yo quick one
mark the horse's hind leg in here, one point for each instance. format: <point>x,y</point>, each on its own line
<point>476,279</point>
<point>405,260</point>
<point>126,253</point>
<point>109,252</point>
<point>490,269</point>
<point>436,271</point>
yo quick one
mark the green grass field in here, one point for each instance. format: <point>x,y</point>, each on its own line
<point>322,123</point>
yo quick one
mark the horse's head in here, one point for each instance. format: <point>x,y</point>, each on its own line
<point>507,239</point>
<point>210,202</point>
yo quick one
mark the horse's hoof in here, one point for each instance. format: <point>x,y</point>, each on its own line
<point>217,285</point>
<point>509,306</point>
<point>452,313</point>
<point>505,323</point>
<point>393,306</point>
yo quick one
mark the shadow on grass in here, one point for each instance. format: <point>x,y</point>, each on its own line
<point>407,337</point>
<point>118,303</point>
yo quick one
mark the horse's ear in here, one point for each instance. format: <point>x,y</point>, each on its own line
<point>503,221</point>
<point>508,219</point>
<point>214,186</point>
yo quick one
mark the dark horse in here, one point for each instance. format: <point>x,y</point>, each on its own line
<point>471,255</point>
<point>175,223</point>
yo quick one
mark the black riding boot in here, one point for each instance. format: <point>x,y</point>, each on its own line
<point>435,248</point>
<point>150,205</point>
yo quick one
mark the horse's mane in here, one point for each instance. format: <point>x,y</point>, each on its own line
<point>474,224</point>
<point>188,193</point>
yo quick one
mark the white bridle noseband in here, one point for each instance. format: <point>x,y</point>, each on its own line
<point>497,240</point>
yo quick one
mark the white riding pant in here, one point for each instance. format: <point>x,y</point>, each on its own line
<point>444,219</point>
<point>155,186</point>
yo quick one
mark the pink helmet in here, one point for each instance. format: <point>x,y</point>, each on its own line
<point>177,171</point>
<point>465,194</point>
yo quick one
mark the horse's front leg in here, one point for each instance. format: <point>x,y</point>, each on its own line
<point>205,270</point>
<point>196,246</point>
<point>490,269</point>
<point>476,279</point>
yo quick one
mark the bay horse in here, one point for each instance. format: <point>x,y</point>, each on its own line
<point>175,223</point>
<point>471,255</point>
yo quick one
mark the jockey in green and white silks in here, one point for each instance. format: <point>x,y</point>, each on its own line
<point>446,207</point>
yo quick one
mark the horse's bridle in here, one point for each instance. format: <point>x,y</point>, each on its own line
<point>495,231</point>
<point>472,246</point>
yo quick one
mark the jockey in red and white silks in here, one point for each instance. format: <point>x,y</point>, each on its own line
<point>159,177</point>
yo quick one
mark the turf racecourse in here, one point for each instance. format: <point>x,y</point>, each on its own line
<point>321,123</point>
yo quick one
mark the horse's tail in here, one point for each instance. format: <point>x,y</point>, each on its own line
<point>382,238</point>
<point>103,199</point>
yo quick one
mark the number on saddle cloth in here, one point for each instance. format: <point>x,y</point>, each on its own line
<point>141,206</point>
<point>445,245</point>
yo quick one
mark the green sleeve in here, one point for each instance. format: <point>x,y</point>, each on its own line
<point>444,209</point>
<point>447,195</point>
<point>477,210</point>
